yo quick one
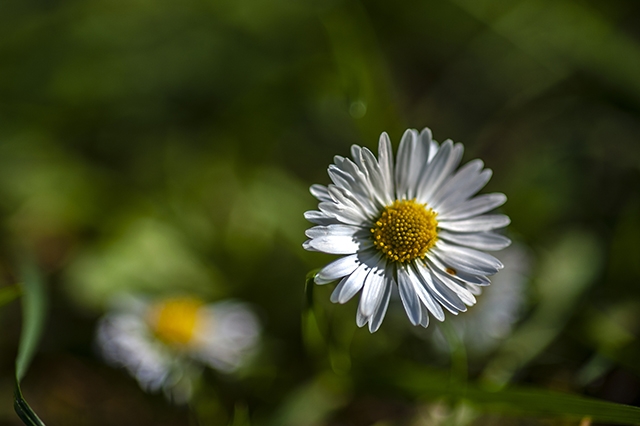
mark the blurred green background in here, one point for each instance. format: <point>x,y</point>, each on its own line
<point>161,146</point>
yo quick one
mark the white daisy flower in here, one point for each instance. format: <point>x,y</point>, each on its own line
<point>415,224</point>
<point>162,342</point>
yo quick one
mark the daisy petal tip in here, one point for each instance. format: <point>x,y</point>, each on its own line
<point>507,242</point>
<point>426,134</point>
<point>414,321</point>
<point>320,280</point>
<point>361,320</point>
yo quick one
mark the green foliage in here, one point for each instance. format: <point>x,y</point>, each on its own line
<point>166,147</point>
<point>33,313</point>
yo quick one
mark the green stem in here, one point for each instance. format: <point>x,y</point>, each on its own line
<point>459,366</point>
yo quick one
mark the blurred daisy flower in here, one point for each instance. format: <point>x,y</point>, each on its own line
<point>415,224</point>
<point>164,343</point>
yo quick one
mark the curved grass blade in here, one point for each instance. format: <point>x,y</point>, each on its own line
<point>33,314</point>
<point>308,287</point>
<point>24,411</point>
<point>311,334</point>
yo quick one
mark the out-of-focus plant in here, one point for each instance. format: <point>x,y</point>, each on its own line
<point>165,342</point>
<point>34,306</point>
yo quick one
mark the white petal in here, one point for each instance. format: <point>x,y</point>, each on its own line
<point>356,153</point>
<point>332,244</point>
<point>474,289</point>
<point>467,173</point>
<point>431,145</point>
<point>337,230</point>
<point>320,192</point>
<point>480,240</point>
<point>437,171</point>
<point>424,320</point>
<point>347,215</point>
<point>337,269</point>
<point>409,297</point>
<point>344,198</point>
<point>482,223</point>
<point>466,259</point>
<point>361,319</point>
<point>349,286</point>
<point>306,245</point>
<point>465,295</point>
<point>370,170</point>
<point>349,176</point>
<point>381,310</point>
<point>375,177</point>
<point>357,157</point>
<point>473,207</point>
<point>319,218</point>
<point>424,294</point>
<point>480,280</point>
<point>412,157</point>
<point>348,171</point>
<point>443,294</point>
<point>352,195</point>
<point>340,178</point>
<point>465,190</point>
<point>385,159</point>
<point>372,291</point>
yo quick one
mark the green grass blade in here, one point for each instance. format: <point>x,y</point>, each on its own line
<point>312,335</point>
<point>33,314</point>
<point>308,287</point>
<point>24,411</point>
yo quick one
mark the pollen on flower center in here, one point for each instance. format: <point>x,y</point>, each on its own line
<point>405,230</point>
<point>174,321</point>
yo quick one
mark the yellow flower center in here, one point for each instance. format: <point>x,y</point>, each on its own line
<point>405,230</point>
<point>174,321</point>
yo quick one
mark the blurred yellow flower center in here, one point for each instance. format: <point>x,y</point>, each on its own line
<point>405,230</point>
<point>174,321</point>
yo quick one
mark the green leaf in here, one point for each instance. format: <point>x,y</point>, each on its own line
<point>308,287</point>
<point>8,294</point>
<point>33,314</point>
<point>24,411</point>
<point>311,333</point>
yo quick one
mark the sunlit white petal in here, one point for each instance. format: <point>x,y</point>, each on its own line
<point>482,223</point>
